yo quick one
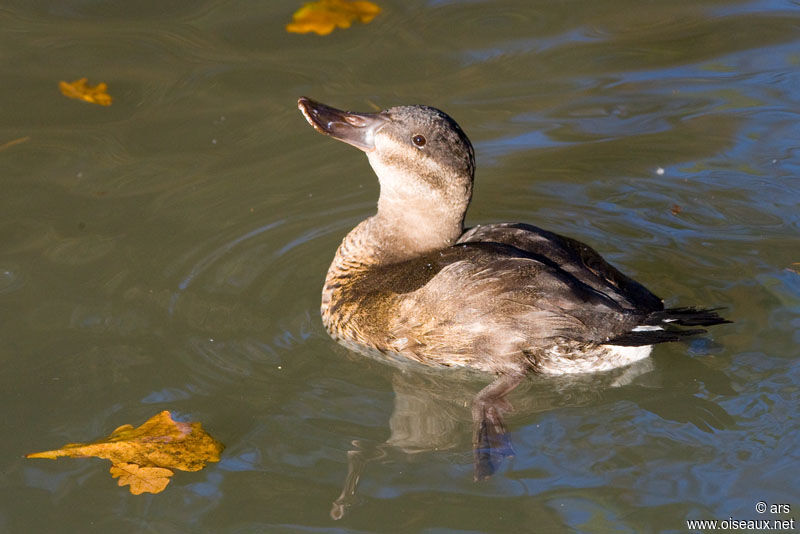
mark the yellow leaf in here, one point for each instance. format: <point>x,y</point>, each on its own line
<point>141,479</point>
<point>81,91</point>
<point>159,442</point>
<point>323,16</point>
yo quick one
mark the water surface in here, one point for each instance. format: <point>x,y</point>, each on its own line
<point>168,252</point>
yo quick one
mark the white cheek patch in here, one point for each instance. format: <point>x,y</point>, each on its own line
<point>401,159</point>
<point>398,183</point>
<point>369,139</point>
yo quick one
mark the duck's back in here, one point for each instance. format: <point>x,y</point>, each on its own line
<point>574,257</point>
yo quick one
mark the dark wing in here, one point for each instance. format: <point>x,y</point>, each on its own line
<point>570,256</point>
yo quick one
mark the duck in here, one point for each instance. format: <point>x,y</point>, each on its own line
<point>506,299</point>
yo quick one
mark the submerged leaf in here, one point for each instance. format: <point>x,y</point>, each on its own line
<point>159,442</point>
<point>323,16</point>
<point>13,142</point>
<point>79,89</point>
<point>142,479</point>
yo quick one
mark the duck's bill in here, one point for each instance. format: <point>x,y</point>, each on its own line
<point>357,129</point>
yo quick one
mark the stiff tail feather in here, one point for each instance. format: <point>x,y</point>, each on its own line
<point>661,326</point>
<point>687,316</point>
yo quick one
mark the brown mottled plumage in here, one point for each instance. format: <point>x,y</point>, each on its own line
<point>505,298</point>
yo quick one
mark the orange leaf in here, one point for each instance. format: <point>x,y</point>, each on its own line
<point>81,91</point>
<point>159,442</point>
<point>142,479</point>
<point>323,16</point>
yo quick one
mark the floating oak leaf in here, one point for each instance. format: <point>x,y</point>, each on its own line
<point>80,90</point>
<point>159,442</point>
<point>141,479</point>
<point>323,16</point>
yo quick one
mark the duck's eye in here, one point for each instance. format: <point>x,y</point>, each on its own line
<point>419,140</point>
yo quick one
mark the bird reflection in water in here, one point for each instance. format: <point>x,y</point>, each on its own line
<point>432,410</point>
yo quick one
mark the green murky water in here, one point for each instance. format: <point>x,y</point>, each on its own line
<point>168,252</point>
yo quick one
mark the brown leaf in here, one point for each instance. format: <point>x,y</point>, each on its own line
<point>159,442</point>
<point>323,16</point>
<point>80,90</point>
<point>141,479</point>
<point>675,209</point>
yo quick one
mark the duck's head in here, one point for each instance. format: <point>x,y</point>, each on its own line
<point>423,160</point>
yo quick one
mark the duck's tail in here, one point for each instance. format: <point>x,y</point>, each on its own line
<point>662,326</point>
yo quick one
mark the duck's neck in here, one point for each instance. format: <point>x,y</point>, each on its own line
<point>402,232</point>
<point>421,209</point>
<point>409,228</point>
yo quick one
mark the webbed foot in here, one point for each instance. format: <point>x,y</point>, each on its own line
<point>490,441</point>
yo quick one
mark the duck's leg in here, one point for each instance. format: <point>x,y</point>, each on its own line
<point>356,461</point>
<point>490,442</point>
